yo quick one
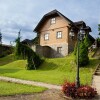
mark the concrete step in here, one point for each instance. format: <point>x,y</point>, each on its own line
<point>98,68</point>
<point>97,73</point>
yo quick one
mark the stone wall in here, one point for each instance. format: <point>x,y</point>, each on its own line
<point>55,53</point>
<point>43,51</point>
<point>51,51</point>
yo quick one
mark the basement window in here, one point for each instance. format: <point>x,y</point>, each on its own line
<point>53,20</point>
<point>59,49</point>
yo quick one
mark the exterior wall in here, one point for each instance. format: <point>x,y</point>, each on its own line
<point>33,47</point>
<point>60,25</point>
<point>51,51</point>
<point>64,50</point>
<point>43,51</point>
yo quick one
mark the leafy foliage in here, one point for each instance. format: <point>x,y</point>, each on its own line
<point>83,54</point>
<point>75,49</point>
<point>83,92</point>
<point>86,92</point>
<point>27,53</point>
<point>99,29</point>
<point>17,49</point>
<point>69,89</point>
<point>83,51</point>
<point>35,40</point>
<point>87,41</point>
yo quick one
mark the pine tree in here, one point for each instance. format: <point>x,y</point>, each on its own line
<point>87,41</point>
<point>83,54</point>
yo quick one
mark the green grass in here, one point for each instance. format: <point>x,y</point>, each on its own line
<point>53,71</point>
<point>7,88</point>
<point>7,59</point>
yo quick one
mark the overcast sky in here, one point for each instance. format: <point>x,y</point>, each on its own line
<point>25,15</point>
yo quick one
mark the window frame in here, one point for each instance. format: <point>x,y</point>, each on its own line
<point>59,49</point>
<point>57,35</point>
<point>53,20</point>
<point>45,37</point>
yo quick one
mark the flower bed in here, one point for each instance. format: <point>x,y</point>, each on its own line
<point>83,92</point>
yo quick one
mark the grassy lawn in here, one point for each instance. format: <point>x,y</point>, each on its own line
<point>7,88</point>
<point>53,71</point>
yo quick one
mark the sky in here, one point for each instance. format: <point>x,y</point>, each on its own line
<point>25,15</point>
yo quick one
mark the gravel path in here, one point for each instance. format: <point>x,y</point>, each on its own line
<point>14,80</point>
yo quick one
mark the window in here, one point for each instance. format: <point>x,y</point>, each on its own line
<point>59,49</point>
<point>46,36</point>
<point>59,35</point>
<point>53,20</point>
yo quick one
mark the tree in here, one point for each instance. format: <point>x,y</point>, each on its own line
<point>98,39</point>
<point>25,52</point>
<point>17,48</point>
<point>83,54</point>
<point>87,41</point>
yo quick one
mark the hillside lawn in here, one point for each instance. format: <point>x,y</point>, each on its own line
<point>53,71</point>
<point>7,88</point>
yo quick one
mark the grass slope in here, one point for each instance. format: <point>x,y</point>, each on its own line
<point>7,88</point>
<point>53,71</point>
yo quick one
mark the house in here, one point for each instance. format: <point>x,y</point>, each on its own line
<point>53,32</point>
<point>5,50</point>
<point>31,43</point>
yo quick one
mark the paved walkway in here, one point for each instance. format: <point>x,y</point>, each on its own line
<point>14,80</point>
<point>96,84</point>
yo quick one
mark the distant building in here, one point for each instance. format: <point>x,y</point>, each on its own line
<point>5,50</point>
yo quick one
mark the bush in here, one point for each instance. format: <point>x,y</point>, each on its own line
<point>69,89</point>
<point>83,54</point>
<point>87,41</point>
<point>86,92</point>
<point>75,49</point>
<point>83,92</point>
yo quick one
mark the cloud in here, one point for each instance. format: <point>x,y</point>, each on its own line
<point>25,15</point>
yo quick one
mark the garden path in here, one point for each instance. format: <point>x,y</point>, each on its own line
<point>14,80</point>
<point>96,84</point>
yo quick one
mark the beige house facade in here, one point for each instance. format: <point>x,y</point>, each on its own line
<point>53,32</point>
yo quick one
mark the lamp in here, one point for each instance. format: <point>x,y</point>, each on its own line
<point>80,36</point>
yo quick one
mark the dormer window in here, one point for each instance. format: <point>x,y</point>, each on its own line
<point>46,36</point>
<point>53,20</point>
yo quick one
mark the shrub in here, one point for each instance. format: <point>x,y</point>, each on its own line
<point>87,41</point>
<point>83,55</point>
<point>86,92</point>
<point>75,49</point>
<point>69,89</point>
<point>83,92</point>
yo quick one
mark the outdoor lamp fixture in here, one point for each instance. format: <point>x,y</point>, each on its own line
<point>80,36</point>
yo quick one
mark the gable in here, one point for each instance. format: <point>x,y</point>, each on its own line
<point>60,23</point>
<point>46,18</point>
